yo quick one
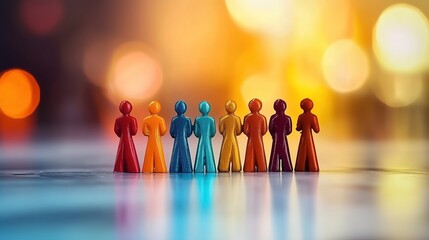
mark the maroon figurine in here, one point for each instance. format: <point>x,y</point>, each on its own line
<point>306,159</point>
<point>125,128</point>
<point>280,126</point>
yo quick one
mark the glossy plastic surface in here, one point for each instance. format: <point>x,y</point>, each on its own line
<point>280,126</point>
<point>204,130</point>
<point>125,128</point>
<point>254,127</point>
<point>180,130</point>
<point>230,128</point>
<point>306,159</point>
<point>154,127</point>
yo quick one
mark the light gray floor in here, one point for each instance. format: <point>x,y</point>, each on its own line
<point>68,192</point>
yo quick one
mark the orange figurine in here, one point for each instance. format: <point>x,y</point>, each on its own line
<point>125,128</point>
<point>255,126</point>
<point>306,159</point>
<point>230,128</point>
<point>154,127</point>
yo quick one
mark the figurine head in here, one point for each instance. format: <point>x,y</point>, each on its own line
<point>204,107</point>
<point>306,104</point>
<point>280,106</point>
<point>154,107</point>
<point>230,106</point>
<point>180,107</point>
<point>255,105</point>
<point>125,107</point>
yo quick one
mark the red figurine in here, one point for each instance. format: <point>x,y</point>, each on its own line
<point>125,128</point>
<point>306,159</point>
<point>255,126</point>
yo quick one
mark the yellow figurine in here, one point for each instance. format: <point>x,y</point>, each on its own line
<point>154,127</point>
<point>230,128</point>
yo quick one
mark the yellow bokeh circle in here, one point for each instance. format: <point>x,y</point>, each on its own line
<point>345,66</point>
<point>401,39</point>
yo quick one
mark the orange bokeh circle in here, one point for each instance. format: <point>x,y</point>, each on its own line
<point>19,93</point>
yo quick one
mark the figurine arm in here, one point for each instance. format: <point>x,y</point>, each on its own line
<point>145,129</point>
<point>196,129</point>
<point>289,126</point>
<point>264,126</point>
<point>221,126</point>
<point>315,124</point>
<point>188,128</point>
<point>272,126</point>
<point>117,129</point>
<point>133,127</point>
<point>238,129</point>
<point>245,127</point>
<point>162,127</point>
<point>172,129</point>
<point>212,128</point>
<point>298,124</point>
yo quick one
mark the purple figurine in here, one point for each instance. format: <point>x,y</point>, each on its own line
<point>280,126</point>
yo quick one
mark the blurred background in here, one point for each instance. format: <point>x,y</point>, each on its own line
<point>66,65</point>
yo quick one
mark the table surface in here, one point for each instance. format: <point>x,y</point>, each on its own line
<point>66,190</point>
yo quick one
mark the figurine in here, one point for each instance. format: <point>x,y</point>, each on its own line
<point>154,127</point>
<point>230,128</point>
<point>306,159</point>
<point>255,126</point>
<point>204,130</point>
<point>180,130</point>
<point>280,126</point>
<point>125,128</point>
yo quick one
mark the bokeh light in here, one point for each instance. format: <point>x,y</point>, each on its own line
<point>41,17</point>
<point>345,66</point>
<point>401,39</point>
<point>133,74</point>
<point>270,17</point>
<point>263,87</point>
<point>398,90</point>
<point>19,93</point>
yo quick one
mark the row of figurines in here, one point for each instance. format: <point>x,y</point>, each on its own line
<point>254,127</point>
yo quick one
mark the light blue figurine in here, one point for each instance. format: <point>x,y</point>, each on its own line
<point>180,130</point>
<point>204,130</point>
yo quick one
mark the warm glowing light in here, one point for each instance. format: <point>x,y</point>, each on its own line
<point>263,87</point>
<point>399,91</point>
<point>41,17</point>
<point>401,39</point>
<point>271,17</point>
<point>19,93</point>
<point>345,66</point>
<point>134,74</point>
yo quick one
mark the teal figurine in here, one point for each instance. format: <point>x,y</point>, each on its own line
<point>181,130</point>
<point>204,130</point>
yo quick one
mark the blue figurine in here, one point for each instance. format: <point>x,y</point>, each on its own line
<point>204,130</point>
<point>180,130</point>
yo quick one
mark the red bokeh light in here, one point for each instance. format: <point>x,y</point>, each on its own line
<point>41,17</point>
